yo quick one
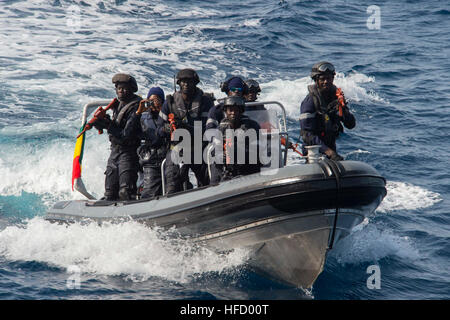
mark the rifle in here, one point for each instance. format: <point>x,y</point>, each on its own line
<point>173,127</point>
<point>290,145</point>
<point>100,113</point>
<point>227,145</point>
<point>341,101</point>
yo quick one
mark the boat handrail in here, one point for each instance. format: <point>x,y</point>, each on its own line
<point>163,178</point>
<point>91,106</point>
<point>78,184</point>
<point>283,131</point>
<point>209,152</point>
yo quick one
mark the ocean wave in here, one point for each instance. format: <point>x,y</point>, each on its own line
<point>406,196</point>
<point>251,22</point>
<point>292,92</point>
<point>129,249</point>
<point>46,169</point>
<point>369,243</point>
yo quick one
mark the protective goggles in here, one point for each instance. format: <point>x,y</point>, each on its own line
<point>326,67</point>
<point>236,89</point>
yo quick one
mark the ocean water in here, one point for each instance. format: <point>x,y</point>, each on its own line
<point>57,55</point>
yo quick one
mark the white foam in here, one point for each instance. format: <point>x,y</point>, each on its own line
<point>251,22</point>
<point>292,92</point>
<point>197,12</point>
<point>162,9</point>
<point>351,85</point>
<point>128,249</point>
<point>46,169</point>
<point>405,196</point>
<point>367,243</point>
<point>55,47</point>
<point>358,151</point>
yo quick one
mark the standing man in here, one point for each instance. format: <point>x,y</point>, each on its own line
<point>181,110</point>
<point>323,111</point>
<point>124,135</point>
<point>153,149</point>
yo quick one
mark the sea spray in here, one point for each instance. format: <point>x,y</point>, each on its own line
<point>406,196</point>
<point>130,249</point>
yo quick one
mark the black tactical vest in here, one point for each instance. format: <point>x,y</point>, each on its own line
<point>120,117</point>
<point>186,114</point>
<point>328,123</point>
<point>119,113</point>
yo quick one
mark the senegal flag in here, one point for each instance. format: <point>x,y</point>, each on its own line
<point>78,156</point>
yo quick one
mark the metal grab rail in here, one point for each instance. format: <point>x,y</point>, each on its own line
<point>163,178</point>
<point>91,106</point>
<point>258,103</point>
<point>209,152</point>
<point>283,131</point>
<point>78,184</point>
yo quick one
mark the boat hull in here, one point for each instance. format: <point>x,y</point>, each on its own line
<point>287,218</point>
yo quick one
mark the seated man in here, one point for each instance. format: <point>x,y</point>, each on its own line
<point>239,136</point>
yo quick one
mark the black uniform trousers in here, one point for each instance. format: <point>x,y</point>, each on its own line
<point>121,173</point>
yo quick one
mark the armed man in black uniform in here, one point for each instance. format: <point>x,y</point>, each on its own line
<point>323,111</point>
<point>124,135</point>
<point>182,110</point>
<point>241,142</point>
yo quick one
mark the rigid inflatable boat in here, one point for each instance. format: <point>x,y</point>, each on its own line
<point>288,217</point>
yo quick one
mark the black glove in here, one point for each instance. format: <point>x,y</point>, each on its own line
<point>102,123</point>
<point>224,125</point>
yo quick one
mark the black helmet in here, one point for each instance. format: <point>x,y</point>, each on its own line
<point>322,68</point>
<point>187,74</point>
<point>252,85</point>
<point>125,78</point>
<point>234,101</point>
